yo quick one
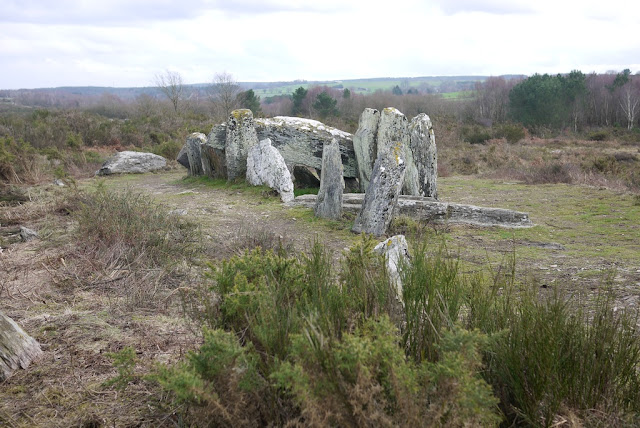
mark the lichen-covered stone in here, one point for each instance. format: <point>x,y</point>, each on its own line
<point>425,156</point>
<point>382,193</point>
<point>241,136</point>
<point>392,130</point>
<point>17,348</point>
<point>365,145</point>
<point>396,254</point>
<point>329,201</point>
<point>301,141</point>
<point>132,163</point>
<point>265,166</point>
<point>194,153</point>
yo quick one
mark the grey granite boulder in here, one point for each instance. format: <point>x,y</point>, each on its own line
<point>265,166</point>
<point>17,348</point>
<point>365,144</point>
<point>329,201</point>
<point>301,141</point>
<point>384,188</point>
<point>132,163</point>
<point>240,137</point>
<point>194,153</point>
<point>423,148</point>
<point>214,162</point>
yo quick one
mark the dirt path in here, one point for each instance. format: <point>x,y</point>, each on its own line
<point>232,218</point>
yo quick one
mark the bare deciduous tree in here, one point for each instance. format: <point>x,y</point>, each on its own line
<point>224,92</point>
<point>170,84</point>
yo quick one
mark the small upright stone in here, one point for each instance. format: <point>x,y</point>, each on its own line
<point>265,165</point>
<point>423,147</point>
<point>329,201</point>
<point>241,135</point>
<point>382,193</point>
<point>396,256</point>
<point>364,145</point>
<point>194,153</point>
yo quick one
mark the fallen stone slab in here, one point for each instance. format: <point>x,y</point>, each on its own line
<point>430,210</point>
<point>132,163</point>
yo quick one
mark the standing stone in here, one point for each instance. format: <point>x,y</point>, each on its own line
<point>17,348</point>
<point>329,201</point>
<point>241,136</point>
<point>423,147</point>
<point>265,165</point>
<point>382,193</point>
<point>213,156</point>
<point>396,256</point>
<point>364,145</point>
<point>194,153</point>
<point>392,130</point>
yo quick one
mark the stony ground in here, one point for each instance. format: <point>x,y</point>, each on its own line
<point>584,239</point>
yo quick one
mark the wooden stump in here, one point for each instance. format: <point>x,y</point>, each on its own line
<point>17,348</point>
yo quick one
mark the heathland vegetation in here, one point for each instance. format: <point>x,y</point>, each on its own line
<point>193,302</point>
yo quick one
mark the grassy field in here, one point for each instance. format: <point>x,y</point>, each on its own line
<point>369,86</point>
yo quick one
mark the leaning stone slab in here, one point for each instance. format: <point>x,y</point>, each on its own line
<point>382,193</point>
<point>17,348</point>
<point>301,141</point>
<point>132,163</point>
<point>423,148</point>
<point>430,210</point>
<point>365,145</point>
<point>241,136</point>
<point>329,200</point>
<point>266,166</point>
<point>194,153</point>
<point>182,157</point>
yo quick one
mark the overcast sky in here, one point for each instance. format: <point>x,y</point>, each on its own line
<point>47,43</point>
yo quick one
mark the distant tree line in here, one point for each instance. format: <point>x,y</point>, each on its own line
<point>572,100</point>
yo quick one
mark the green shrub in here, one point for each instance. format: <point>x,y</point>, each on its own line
<point>597,136</point>
<point>511,132</point>
<point>475,135</point>
<point>167,149</point>
<point>125,362</point>
<point>547,355</point>
<point>305,345</point>
<point>74,141</point>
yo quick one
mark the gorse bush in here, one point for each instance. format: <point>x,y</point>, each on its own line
<point>293,342</point>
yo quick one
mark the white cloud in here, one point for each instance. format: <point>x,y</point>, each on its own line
<point>126,42</point>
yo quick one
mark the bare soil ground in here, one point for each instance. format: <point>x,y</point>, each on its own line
<point>583,236</point>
